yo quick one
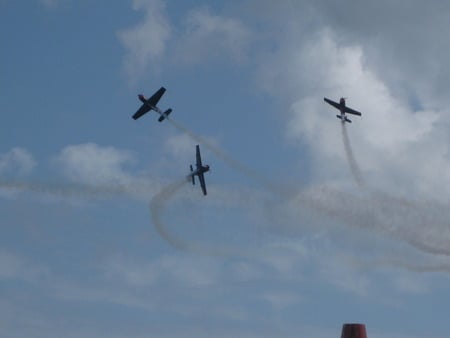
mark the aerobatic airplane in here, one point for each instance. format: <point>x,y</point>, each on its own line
<point>343,109</point>
<point>199,171</point>
<point>151,104</point>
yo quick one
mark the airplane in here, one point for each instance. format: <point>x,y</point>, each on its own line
<point>343,109</point>
<point>150,104</point>
<point>199,171</point>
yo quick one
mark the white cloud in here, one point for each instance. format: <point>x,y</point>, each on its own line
<point>281,299</point>
<point>390,74</point>
<point>209,36</point>
<point>13,266</point>
<point>130,272</point>
<point>171,269</point>
<point>400,144</point>
<point>203,36</point>
<point>411,283</point>
<point>92,164</point>
<point>191,271</point>
<point>387,140</point>
<point>95,171</point>
<point>344,276</point>
<point>182,146</point>
<point>103,171</point>
<point>146,42</point>
<point>17,160</point>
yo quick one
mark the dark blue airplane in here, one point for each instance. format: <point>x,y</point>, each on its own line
<point>343,109</point>
<point>151,104</point>
<point>199,171</point>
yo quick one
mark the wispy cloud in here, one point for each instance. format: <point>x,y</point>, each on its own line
<point>15,267</point>
<point>94,164</point>
<point>17,160</point>
<point>203,37</point>
<point>188,271</point>
<point>209,36</point>
<point>145,43</point>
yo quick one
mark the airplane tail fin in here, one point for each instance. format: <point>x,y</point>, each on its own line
<point>164,115</point>
<point>142,98</point>
<point>192,176</point>
<point>348,120</point>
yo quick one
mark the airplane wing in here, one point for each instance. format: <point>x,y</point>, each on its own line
<point>334,104</point>
<point>145,108</point>
<point>153,101</point>
<point>201,178</point>
<point>199,158</point>
<point>141,111</point>
<point>352,111</point>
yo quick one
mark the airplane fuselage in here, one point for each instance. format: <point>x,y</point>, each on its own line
<point>156,109</point>
<point>149,104</point>
<point>200,170</point>
<point>342,116</point>
<point>343,109</point>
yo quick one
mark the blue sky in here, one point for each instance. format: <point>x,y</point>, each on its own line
<point>307,224</point>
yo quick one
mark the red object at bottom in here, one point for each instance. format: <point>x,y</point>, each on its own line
<point>354,331</point>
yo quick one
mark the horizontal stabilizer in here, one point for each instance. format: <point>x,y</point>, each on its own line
<point>192,176</point>
<point>346,119</point>
<point>164,115</point>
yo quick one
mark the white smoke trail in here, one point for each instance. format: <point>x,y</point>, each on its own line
<point>424,225</point>
<point>354,168</point>
<point>417,223</point>
<point>426,220</point>
<point>413,267</point>
<point>138,188</point>
<point>230,160</point>
<point>394,259</point>
<point>157,207</point>
<point>65,190</point>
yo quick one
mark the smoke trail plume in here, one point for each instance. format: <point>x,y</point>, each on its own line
<point>157,206</point>
<point>424,225</point>
<point>356,173</point>
<point>230,160</point>
<point>425,221</point>
<point>417,223</point>
<point>394,259</point>
<point>65,190</point>
<point>137,188</point>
